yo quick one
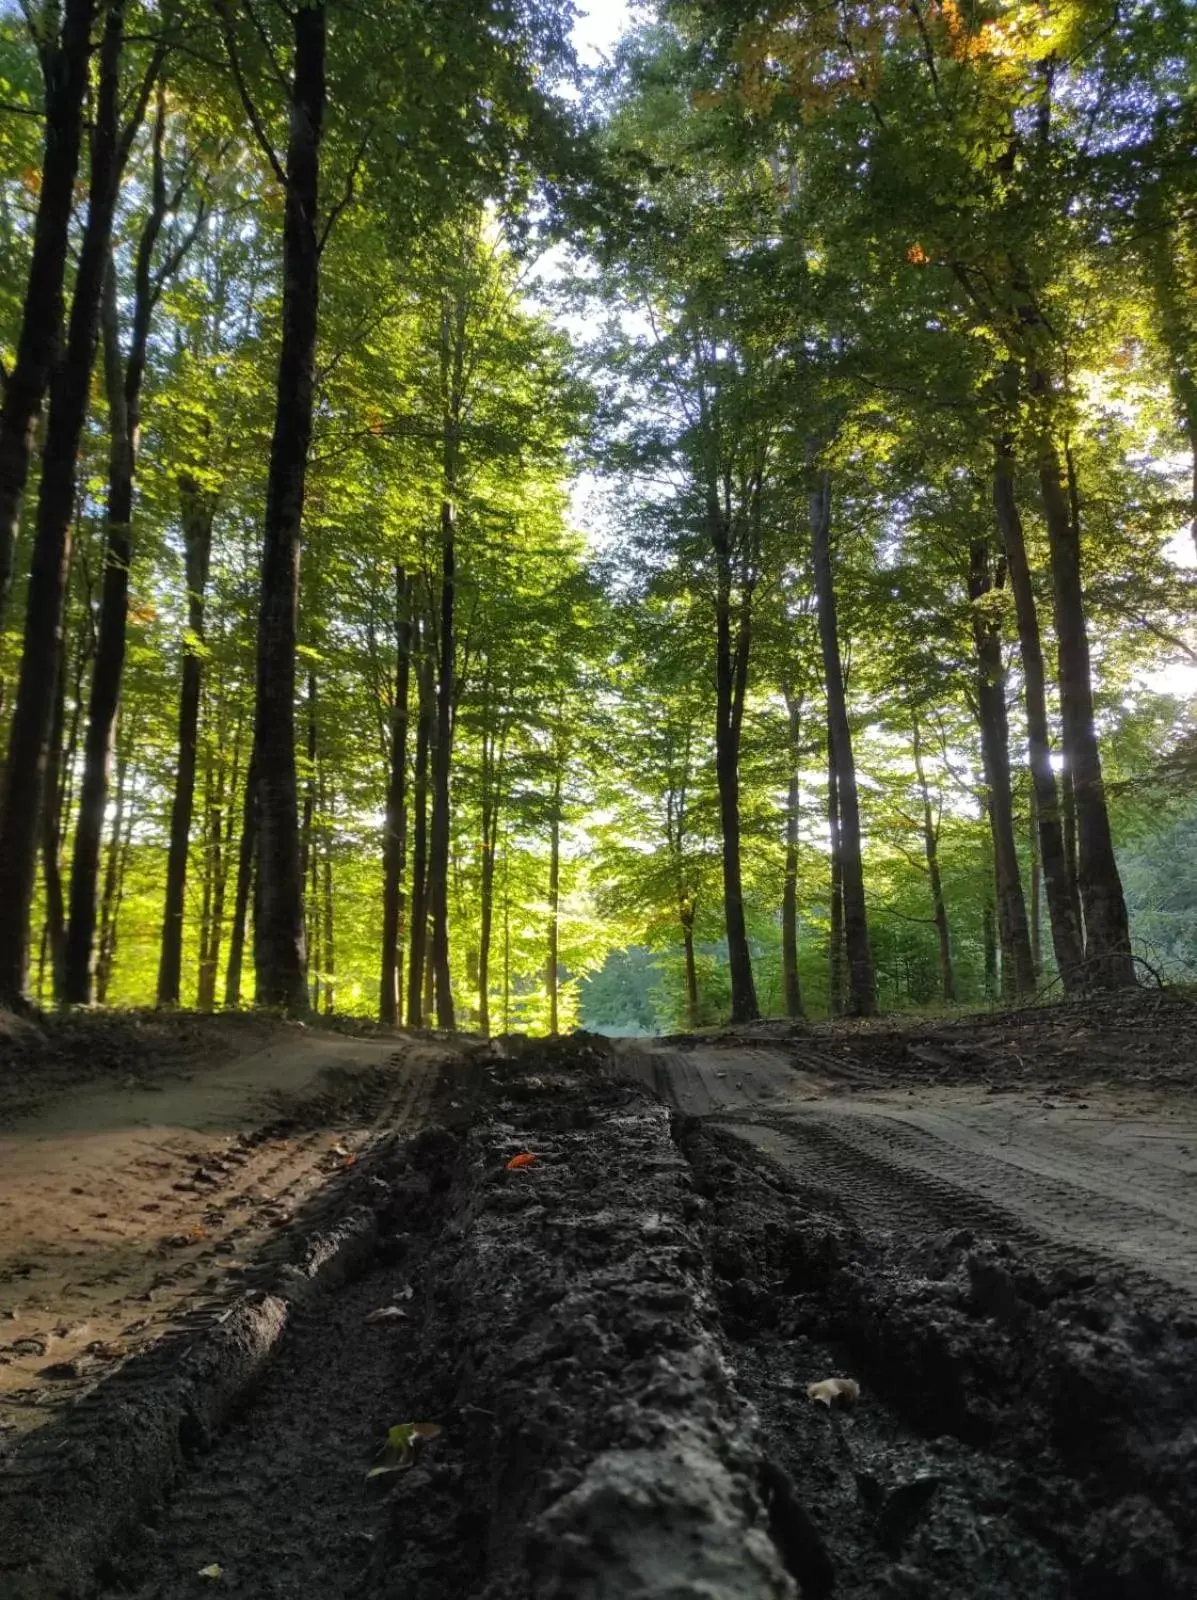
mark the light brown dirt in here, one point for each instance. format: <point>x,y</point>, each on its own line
<point>1103,1173</point>
<point>121,1207</point>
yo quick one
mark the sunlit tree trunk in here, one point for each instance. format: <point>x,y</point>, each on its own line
<point>417,1013</point>
<point>862,987</point>
<point>553,960</point>
<point>279,953</point>
<point>792,990</point>
<point>1065,927</point>
<point>1108,958</point>
<point>394,848</point>
<point>1018,968</point>
<point>947,976</point>
<point>197,513</point>
<point>246,856</point>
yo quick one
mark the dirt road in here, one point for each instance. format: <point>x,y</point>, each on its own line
<point>1100,1174</point>
<point>578,1334</point>
<point>124,1205</point>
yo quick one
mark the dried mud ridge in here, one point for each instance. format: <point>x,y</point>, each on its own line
<point>615,1342</point>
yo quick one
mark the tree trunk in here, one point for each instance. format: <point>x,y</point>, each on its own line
<point>69,391</point>
<point>279,957</point>
<point>65,60</point>
<point>394,844</point>
<point>309,800</point>
<point>247,852</point>
<point>416,1013</point>
<point>1065,926</point>
<point>1036,919</point>
<point>731,681</point>
<point>835,915</point>
<point>989,943</point>
<point>553,961</point>
<point>692,1000</point>
<point>789,896</point>
<point>862,987</point>
<point>947,976</point>
<point>492,767</point>
<point>453,320</point>
<point>54,937</point>
<point>1018,967</point>
<point>1109,962</point>
<point>198,511</point>
<point>114,876</point>
<point>330,949</point>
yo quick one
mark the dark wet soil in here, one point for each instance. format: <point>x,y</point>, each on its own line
<point>611,1344</point>
<point>1019,1433</point>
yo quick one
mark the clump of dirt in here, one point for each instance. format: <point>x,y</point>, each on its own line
<point>594,1445</point>
<point>1019,1433</point>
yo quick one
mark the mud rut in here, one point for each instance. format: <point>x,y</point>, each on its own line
<point>615,1341</point>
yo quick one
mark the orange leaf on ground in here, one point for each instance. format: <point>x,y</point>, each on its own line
<point>525,1159</point>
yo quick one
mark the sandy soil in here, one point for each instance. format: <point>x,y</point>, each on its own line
<point>1107,1171</point>
<point>124,1204</point>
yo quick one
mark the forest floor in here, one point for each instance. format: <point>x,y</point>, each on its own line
<point>592,1366</point>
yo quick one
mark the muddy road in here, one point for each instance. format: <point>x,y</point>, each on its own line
<point>1100,1174</point>
<point>552,1336</point>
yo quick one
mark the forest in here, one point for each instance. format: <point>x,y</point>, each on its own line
<point>507,538</point>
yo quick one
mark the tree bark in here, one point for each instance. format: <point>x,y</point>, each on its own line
<point>114,878</point>
<point>198,511</point>
<point>1109,962</point>
<point>52,813</point>
<point>279,955</point>
<point>789,896</point>
<point>835,914</point>
<point>1035,915</point>
<point>453,328</point>
<point>731,682</point>
<point>989,945</point>
<point>947,976</point>
<point>416,1013</point>
<point>329,926</point>
<point>492,784</point>
<point>553,960</point>
<point>69,391</point>
<point>246,856</point>
<point>1018,966</point>
<point>862,986</point>
<point>692,999</point>
<point>1065,925</point>
<point>394,844</point>
<point>65,61</point>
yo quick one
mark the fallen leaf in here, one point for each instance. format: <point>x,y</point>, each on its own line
<point>213,1570</point>
<point>338,1150</point>
<point>385,1314</point>
<point>834,1391</point>
<point>399,1449</point>
<point>525,1159</point>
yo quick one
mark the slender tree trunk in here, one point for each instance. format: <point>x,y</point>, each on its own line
<point>330,948</point>
<point>453,320</point>
<point>835,918</point>
<point>862,986</point>
<point>113,878</point>
<point>1036,918</point>
<point>54,936</point>
<point>1109,961</point>
<point>416,1012</point>
<point>947,976</point>
<point>506,938</point>
<point>1065,926</point>
<point>1018,967</point>
<point>198,511</point>
<point>279,956</point>
<point>394,845</point>
<point>246,856</point>
<point>492,762</point>
<point>69,391</point>
<point>65,59</point>
<point>692,997</point>
<point>731,678</point>
<point>789,895</point>
<point>309,795</point>
<point>553,961</point>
